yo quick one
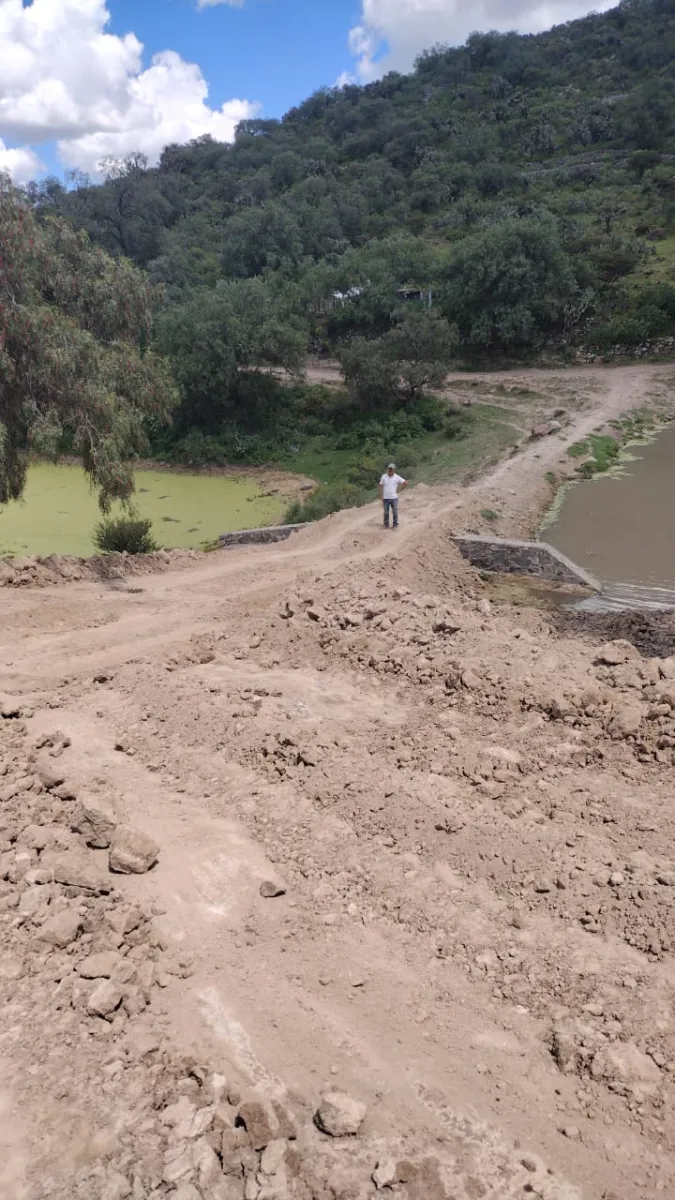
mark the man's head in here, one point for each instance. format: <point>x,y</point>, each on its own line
<point>391,468</point>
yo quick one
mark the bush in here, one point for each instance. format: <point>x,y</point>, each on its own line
<point>117,535</point>
<point>324,501</point>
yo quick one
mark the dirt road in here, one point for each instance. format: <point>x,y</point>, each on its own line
<point>411,849</point>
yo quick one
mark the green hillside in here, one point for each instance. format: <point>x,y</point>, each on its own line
<point>525,183</point>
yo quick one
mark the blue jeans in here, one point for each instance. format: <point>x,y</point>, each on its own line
<point>393,505</point>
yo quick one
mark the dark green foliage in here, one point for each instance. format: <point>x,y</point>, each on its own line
<point>324,501</point>
<point>526,182</point>
<point>75,366</point>
<point>130,535</point>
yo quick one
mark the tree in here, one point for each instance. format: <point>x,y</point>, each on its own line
<point>396,368</point>
<point>74,332</point>
<point>508,286</point>
<point>216,334</point>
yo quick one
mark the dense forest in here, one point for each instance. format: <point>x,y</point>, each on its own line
<point>509,195</point>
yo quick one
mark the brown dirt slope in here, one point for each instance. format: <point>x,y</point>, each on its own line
<point>412,849</point>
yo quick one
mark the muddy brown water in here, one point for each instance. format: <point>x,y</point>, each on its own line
<point>621,527</point>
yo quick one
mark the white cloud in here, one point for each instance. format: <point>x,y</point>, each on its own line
<point>21,164</point>
<point>63,78</point>
<point>391,33</point>
<point>212,3</point>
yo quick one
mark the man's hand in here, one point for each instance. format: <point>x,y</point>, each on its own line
<point>404,485</point>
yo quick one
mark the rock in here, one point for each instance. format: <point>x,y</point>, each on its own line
<point>272,1157</point>
<point>666,878</point>
<point>50,775</point>
<point>132,852</point>
<point>140,1044</point>
<point>177,1163</point>
<point>625,723</point>
<point>10,709</point>
<point>542,886</point>
<point>116,1187</point>
<point>484,607</point>
<point>95,821</point>
<point>614,653</point>
<point>207,1166</point>
<point>470,679</point>
<point>260,1122</point>
<point>339,1115</point>
<point>105,999</point>
<point>188,1121</point>
<point>62,929</point>
<point>446,625</point>
<point>353,620</point>
<point>186,1191</point>
<point>270,890</point>
<point>572,1132</point>
<point>624,1063</point>
<point>99,966</point>
<point>384,1174</point>
<point>77,870</point>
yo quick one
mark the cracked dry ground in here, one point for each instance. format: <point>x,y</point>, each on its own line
<point>413,849</point>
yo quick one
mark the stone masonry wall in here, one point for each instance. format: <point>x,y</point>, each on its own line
<point>253,537</point>
<point>510,557</point>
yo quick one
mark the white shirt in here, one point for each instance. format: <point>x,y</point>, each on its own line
<point>390,485</point>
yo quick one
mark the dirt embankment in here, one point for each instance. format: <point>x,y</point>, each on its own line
<point>410,927</point>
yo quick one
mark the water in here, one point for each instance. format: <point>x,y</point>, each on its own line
<point>59,511</point>
<point>621,528</point>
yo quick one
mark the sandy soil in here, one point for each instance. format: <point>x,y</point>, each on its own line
<point>412,848</point>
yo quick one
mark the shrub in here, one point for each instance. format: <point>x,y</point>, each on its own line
<point>324,501</point>
<point>131,534</point>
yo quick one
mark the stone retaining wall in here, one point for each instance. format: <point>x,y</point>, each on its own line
<point>254,537</point>
<point>510,557</point>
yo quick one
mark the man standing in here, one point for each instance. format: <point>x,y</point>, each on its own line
<point>389,485</point>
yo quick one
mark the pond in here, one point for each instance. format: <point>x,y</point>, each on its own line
<point>621,526</point>
<point>59,510</point>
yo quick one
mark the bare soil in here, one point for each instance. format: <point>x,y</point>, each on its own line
<point>413,848</point>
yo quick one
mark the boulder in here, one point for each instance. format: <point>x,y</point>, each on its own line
<point>132,852</point>
<point>61,929</point>
<point>99,966</point>
<point>77,870</point>
<point>260,1122</point>
<point>625,723</point>
<point>612,654</point>
<point>339,1115</point>
<point>105,999</point>
<point>95,821</point>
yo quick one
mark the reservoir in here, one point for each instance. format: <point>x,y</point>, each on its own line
<point>621,527</point>
<point>59,510</point>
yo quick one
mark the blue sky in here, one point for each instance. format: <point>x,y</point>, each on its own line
<point>275,51</point>
<point>86,80</point>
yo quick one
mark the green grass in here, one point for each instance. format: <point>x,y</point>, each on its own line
<point>578,449</point>
<point>489,514</point>
<point>486,435</point>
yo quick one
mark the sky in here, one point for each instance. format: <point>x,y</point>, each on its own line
<point>86,80</point>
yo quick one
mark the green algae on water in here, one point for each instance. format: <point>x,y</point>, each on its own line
<point>58,511</point>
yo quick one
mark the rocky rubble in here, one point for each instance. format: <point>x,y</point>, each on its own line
<point>81,969</point>
<point>45,571</point>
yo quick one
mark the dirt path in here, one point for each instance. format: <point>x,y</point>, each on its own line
<point>467,818</point>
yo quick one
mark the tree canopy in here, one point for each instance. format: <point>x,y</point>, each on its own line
<point>524,182</point>
<point>75,362</point>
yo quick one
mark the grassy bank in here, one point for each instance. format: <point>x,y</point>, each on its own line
<point>468,441</point>
<point>601,451</point>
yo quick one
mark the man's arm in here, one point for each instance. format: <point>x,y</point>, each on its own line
<point>381,487</point>
<point>404,484</point>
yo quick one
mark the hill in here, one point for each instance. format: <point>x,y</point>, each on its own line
<point>523,184</point>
